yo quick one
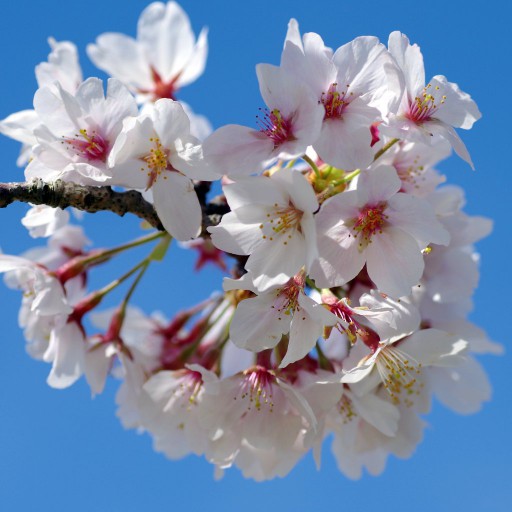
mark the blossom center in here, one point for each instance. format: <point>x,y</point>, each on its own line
<point>287,301</point>
<point>156,162</point>
<point>399,374</point>
<point>409,172</point>
<point>275,126</point>
<point>281,221</point>
<point>423,107</point>
<point>371,220</point>
<point>346,409</point>
<point>335,101</point>
<point>89,146</point>
<point>256,386</point>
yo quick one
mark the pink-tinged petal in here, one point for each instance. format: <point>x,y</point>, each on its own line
<point>457,108</point>
<point>50,300</point>
<point>188,158</point>
<point>403,128</point>
<point>293,34</point>
<point>308,227</point>
<point>337,209</point>
<point>432,347</point>
<point>369,69</point>
<point>452,275</point>
<point>280,90</point>
<point>130,174</point>
<point>20,126</point>
<point>345,144</point>
<point>121,57</point>
<point>90,96</point>
<point>307,124</point>
<point>97,363</point>
<point>379,413</point>
<point>410,61</point>
<point>317,311</point>
<point>301,192</point>
<point>196,61</point>
<point>177,205</point>
<point>68,364</point>
<point>479,343</point>
<point>237,150</point>
<point>244,283</point>
<point>165,33</point>
<point>394,262</point>
<point>119,104</point>
<point>304,333</point>
<point>311,63</point>
<point>277,260</point>
<point>299,402</point>
<point>36,169</point>
<point>254,190</point>
<point>62,66</point>
<point>91,175</point>
<point>258,324</point>
<point>416,217</point>
<point>361,371</point>
<point>463,388</point>
<point>56,111</point>
<point>448,133</point>
<point>379,184</point>
<point>8,263</point>
<point>470,230</point>
<point>43,221</point>
<point>234,236</point>
<point>340,259</point>
<point>170,121</point>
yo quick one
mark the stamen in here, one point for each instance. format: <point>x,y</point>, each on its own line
<point>424,106</point>
<point>399,374</point>
<point>91,147</point>
<point>335,102</point>
<point>156,161</point>
<point>283,221</point>
<point>275,126</point>
<point>371,220</point>
<point>257,387</point>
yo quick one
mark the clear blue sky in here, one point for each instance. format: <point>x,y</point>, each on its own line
<point>62,451</point>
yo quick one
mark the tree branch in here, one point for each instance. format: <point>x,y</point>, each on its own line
<point>94,199</point>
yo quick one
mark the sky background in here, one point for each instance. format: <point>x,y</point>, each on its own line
<point>62,451</point>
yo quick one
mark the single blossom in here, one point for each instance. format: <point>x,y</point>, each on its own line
<point>271,221</point>
<point>163,58</point>
<point>260,322</point>
<point>400,366</point>
<point>428,111</point>
<point>78,131</point>
<point>156,152</point>
<point>375,225</point>
<point>289,124</point>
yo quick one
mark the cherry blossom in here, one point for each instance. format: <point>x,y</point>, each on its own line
<point>357,84</point>
<point>259,323</point>
<point>271,221</point>
<point>431,110</point>
<point>163,58</point>
<point>156,151</point>
<point>376,225</point>
<point>287,126</point>
<point>77,132</point>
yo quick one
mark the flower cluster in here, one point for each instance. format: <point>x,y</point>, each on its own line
<point>346,311</point>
